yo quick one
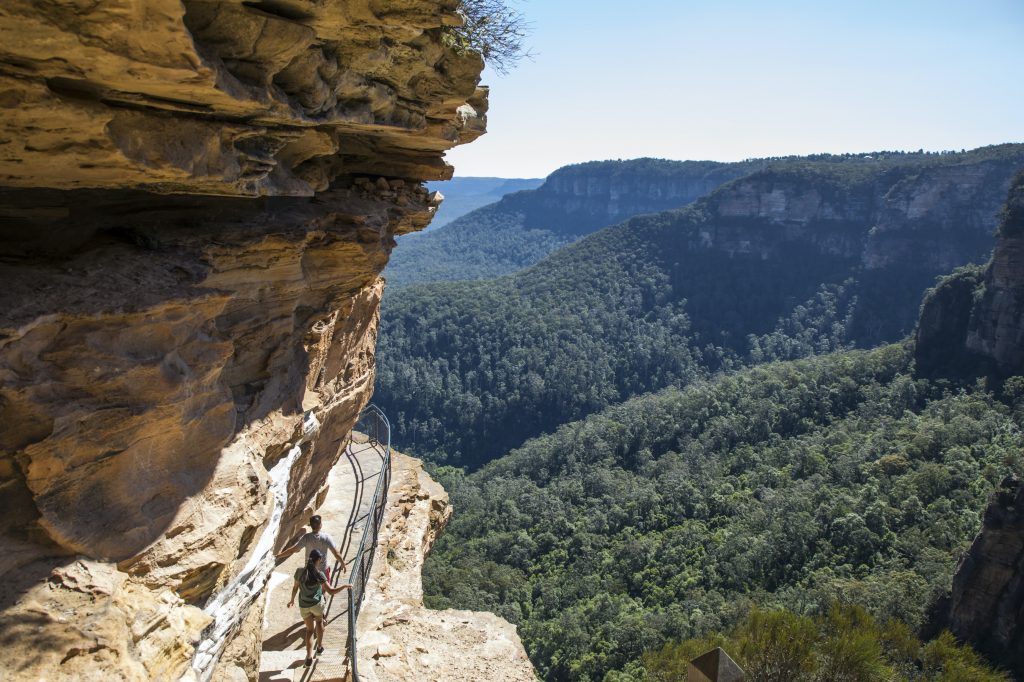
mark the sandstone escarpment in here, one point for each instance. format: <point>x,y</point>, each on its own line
<point>398,638</point>
<point>974,321</point>
<point>597,194</point>
<point>936,215</point>
<point>241,98</point>
<point>996,328</point>
<point>887,227</point>
<point>162,348</point>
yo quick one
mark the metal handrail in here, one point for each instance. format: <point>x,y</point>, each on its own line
<point>374,423</point>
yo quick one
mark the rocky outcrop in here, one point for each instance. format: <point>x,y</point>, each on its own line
<point>973,322</point>
<point>996,328</point>
<point>196,202</point>
<point>941,335</point>
<point>986,607</point>
<point>930,213</point>
<point>399,639</point>
<point>238,98</point>
<point>591,195</point>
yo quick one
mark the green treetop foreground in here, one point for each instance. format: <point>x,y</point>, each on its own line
<point>843,644</point>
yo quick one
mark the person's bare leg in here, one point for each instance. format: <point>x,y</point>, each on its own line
<point>319,633</point>
<point>308,635</point>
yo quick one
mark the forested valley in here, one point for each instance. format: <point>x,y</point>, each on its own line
<point>794,485</point>
<point>471,369</point>
<point>715,427</point>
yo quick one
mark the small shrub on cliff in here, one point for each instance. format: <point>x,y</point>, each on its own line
<point>493,29</point>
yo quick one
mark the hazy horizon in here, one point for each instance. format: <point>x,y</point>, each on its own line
<point>682,81</point>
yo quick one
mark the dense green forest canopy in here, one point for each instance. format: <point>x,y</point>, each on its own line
<point>797,484</point>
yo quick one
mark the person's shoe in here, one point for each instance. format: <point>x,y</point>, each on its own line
<point>309,662</point>
<point>319,650</point>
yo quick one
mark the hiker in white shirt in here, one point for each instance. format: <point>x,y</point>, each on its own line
<point>318,540</point>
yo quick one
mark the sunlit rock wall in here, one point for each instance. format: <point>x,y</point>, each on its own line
<point>196,201</point>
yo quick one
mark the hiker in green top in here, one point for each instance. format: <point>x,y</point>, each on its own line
<point>310,584</point>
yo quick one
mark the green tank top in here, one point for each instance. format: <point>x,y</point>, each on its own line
<point>309,596</point>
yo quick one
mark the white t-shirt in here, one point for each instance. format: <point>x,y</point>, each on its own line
<point>321,541</point>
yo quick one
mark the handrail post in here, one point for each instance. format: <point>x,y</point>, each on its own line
<point>352,636</point>
<point>375,424</point>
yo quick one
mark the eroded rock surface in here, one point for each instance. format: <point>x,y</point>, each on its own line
<point>230,97</point>
<point>89,621</point>
<point>996,328</point>
<point>400,639</point>
<point>196,201</point>
<point>987,603</point>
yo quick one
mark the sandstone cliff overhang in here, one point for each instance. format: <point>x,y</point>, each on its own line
<point>244,98</point>
<point>161,352</point>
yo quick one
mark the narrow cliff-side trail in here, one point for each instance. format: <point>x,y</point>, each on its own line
<point>400,639</point>
<point>283,649</point>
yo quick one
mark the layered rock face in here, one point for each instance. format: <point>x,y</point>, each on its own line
<point>893,226</point>
<point>986,607</point>
<point>596,194</point>
<point>936,216</point>
<point>196,201</point>
<point>974,320</point>
<point>240,98</point>
<point>996,328</point>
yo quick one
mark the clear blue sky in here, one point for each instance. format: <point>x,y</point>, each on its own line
<point>732,79</point>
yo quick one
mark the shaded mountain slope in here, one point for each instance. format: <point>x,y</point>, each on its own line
<point>575,200</point>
